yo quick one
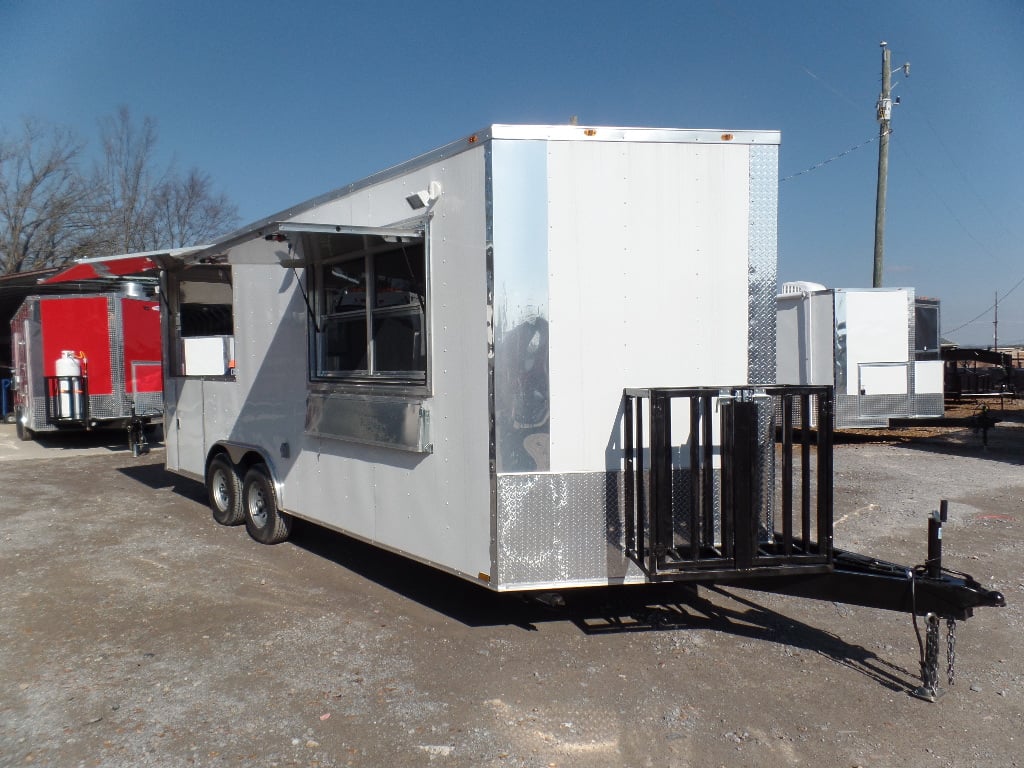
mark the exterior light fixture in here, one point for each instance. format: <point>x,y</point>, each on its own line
<point>425,197</point>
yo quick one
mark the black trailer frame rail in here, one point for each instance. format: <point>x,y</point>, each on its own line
<point>739,519</point>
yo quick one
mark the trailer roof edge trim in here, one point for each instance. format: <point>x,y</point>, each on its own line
<point>350,229</point>
<point>611,133</point>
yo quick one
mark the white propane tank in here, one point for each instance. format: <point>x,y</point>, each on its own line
<point>70,392</point>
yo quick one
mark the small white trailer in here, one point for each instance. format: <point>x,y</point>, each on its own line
<point>879,348</point>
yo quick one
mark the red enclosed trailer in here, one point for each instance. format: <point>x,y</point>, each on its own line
<point>85,361</point>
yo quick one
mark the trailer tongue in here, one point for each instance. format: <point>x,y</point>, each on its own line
<point>705,517</point>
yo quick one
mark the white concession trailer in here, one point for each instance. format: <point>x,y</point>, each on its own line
<point>433,359</point>
<point>879,348</point>
<point>539,357</point>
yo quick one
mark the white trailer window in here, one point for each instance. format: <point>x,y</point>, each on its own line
<point>370,299</point>
<point>202,328</point>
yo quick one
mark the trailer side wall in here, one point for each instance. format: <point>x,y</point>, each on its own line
<point>433,505</point>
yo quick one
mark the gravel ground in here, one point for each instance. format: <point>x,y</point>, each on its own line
<point>139,633</point>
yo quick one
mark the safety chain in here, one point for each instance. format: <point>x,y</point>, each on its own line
<point>950,649</point>
<point>930,662</point>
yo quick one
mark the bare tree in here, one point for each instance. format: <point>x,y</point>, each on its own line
<point>125,183</point>
<point>142,207</point>
<point>187,211</point>
<point>41,194</point>
<point>50,213</point>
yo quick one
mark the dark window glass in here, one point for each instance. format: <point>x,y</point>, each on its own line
<point>380,288</point>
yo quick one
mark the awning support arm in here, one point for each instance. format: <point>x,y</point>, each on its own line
<point>305,298</point>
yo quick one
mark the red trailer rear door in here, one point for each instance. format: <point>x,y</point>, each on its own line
<point>142,356</point>
<point>80,324</point>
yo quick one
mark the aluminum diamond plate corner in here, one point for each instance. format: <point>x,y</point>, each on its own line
<point>762,262</point>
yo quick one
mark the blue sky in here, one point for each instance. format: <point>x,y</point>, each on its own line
<point>280,102</point>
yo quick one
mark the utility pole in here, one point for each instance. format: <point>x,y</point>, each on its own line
<point>995,326</point>
<point>883,111</point>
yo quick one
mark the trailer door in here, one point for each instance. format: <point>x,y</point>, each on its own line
<point>200,344</point>
<point>184,431</point>
<point>883,378</point>
<point>19,362</point>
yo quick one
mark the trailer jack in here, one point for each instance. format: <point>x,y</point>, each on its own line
<point>137,435</point>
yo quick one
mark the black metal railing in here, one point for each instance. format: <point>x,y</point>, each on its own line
<point>765,505</point>
<point>67,399</point>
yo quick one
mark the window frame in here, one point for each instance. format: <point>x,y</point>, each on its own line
<point>176,342</point>
<point>376,242</point>
<point>932,311</point>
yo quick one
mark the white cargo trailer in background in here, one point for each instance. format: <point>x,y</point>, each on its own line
<point>879,347</point>
<point>433,359</point>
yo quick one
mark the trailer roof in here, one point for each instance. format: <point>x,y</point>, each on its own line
<point>504,132</point>
<point>132,263</point>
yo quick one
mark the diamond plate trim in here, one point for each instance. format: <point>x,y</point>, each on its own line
<point>869,410</point>
<point>558,529</point>
<point>762,262</point>
<point>115,328</point>
<point>931,404</point>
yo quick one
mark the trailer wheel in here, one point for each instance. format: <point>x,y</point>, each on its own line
<point>263,520</point>
<point>19,426</point>
<point>224,489</point>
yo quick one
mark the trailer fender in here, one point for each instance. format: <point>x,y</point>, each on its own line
<point>244,456</point>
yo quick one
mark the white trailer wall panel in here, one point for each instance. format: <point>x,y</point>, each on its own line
<point>431,506</point>
<point>647,241</point>
<point>877,347</point>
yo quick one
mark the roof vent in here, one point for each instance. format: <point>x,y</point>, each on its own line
<point>801,286</point>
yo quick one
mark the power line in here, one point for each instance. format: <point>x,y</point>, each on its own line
<point>967,183</point>
<point>974,319</point>
<point>783,51</point>
<point>949,209</point>
<point>844,153</point>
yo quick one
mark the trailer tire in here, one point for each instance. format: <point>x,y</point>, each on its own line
<point>224,490</point>
<point>20,429</point>
<point>263,520</point>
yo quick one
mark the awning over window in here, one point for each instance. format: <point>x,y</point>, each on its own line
<point>106,267</point>
<point>409,231</point>
<point>276,233</point>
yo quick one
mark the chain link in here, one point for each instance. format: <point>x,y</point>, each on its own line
<point>950,649</point>
<point>930,664</point>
